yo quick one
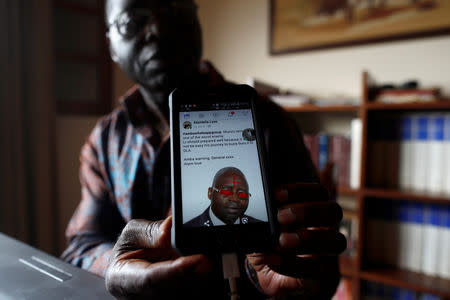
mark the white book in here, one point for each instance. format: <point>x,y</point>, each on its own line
<point>415,237</point>
<point>446,162</point>
<point>436,153</point>
<point>355,153</point>
<point>405,159</point>
<point>444,246</point>
<point>431,240</point>
<point>420,161</point>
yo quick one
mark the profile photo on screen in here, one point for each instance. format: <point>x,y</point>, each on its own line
<point>230,195</point>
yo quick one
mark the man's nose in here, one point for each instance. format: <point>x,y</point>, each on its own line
<point>235,197</point>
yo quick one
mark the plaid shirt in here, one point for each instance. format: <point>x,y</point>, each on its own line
<point>125,172</point>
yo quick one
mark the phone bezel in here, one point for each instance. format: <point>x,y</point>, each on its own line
<point>244,238</point>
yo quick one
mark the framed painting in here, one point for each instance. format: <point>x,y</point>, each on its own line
<point>300,25</point>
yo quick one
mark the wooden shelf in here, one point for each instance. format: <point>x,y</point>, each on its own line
<point>409,280</point>
<point>317,108</point>
<point>407,195</point>
<point>442,104</point>
<point>347,191</point>
<point>357,267</point>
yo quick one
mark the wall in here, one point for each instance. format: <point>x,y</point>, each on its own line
<point>71,132</point>
<point>236,40</point>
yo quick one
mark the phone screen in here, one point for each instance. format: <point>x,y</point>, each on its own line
<point>221,180</point>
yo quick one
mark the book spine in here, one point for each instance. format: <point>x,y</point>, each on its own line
<point>315,150</point>
<point>346,161</point>
<point>390,231</point>
<point>323,150</point>
<point>377,155</point>
<point>436,154</point>
<point>405,159</point>
<point>420,152</point>
<point>446,162</point>
<point>431,239</point>
<point>403,234</point>
<point>415,238</point>
<point>355,156</point>
<point>391,153</point>
<point>444,256</point>
<point>375,234</point>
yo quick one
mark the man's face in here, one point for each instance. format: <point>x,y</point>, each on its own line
<point>157,51</point>
<point>229,196</point>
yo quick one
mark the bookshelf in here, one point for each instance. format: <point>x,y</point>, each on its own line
<point>359,268</point>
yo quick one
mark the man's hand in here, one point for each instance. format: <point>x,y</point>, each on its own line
<point>305,263</point>
<point>145,265</point>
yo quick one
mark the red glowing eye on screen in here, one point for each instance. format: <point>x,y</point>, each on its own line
<point>227,193</point>
<point>243,195</point>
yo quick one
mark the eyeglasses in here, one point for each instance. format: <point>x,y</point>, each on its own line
<point>129,23</point>
<point>227,193</point>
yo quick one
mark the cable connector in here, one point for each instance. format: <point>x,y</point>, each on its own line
<point>230,268</point>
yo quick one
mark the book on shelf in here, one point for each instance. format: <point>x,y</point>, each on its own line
<point>431,235</point>
<point>409,235</point>
<point>407,95</point>
<point>405,155</point>
<point>334,148</point>
<point>420,142</point>
<point>355,153</point>
<point>349,228</point>
<point>410,152</point>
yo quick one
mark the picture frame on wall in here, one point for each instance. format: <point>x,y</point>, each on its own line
<point>301,25</point>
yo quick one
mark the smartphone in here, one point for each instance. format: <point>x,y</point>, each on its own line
<point>221,196</point>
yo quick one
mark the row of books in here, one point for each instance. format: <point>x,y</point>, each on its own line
<point>409,235</point>
<point>411,152</point>
<point>343,151</point>
<point>378,291</point>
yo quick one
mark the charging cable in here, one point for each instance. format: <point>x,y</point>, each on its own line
<point>230,268</point>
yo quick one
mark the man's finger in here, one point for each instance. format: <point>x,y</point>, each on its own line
<point>307,267</point>
<point>143,234</point>
<point>308,241</point>
<point>127,277</point>
<point>315,214</point>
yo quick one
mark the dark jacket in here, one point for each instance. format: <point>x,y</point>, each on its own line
<point>205,220</point>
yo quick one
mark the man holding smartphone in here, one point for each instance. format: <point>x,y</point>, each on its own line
<point>125,166</point>
<point>229,200</point>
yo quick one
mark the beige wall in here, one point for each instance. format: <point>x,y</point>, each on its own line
<point>236,39</point>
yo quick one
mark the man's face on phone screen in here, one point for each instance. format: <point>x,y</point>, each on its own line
<point>229,196</point>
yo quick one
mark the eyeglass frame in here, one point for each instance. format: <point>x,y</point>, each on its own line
<point>150,14</point>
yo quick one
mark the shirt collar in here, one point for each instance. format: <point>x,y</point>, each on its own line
<point>216,221</point>
<point>150,121</point>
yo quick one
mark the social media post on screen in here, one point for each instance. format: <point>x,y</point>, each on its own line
<point>220,145</point>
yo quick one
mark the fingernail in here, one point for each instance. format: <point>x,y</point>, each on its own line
<point>289,240</point>
<point>285,216</point>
